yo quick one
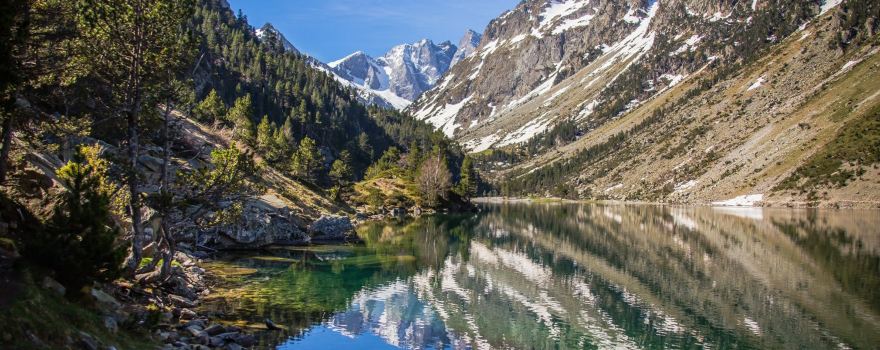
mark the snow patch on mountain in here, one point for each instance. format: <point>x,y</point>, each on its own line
<point>559,9</point>
<point>688,45</point>
<point>757,84</point>
<point>444,118</point>
<point>573,23</point>
<point>827,5</point>
<point>526,132</point>
<point>482,144</point>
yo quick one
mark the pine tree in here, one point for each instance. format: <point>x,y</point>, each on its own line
<point>132,47</point>
<point>365,147</point>
<point>281,145</point>
<point>240,115</point>
<point>264,135</point>
<point>211,108</point>
<point>340,171</point>
<point>308,163</point>
<point>467,185</point>
<point>414,158</point>
<point>79,241</point>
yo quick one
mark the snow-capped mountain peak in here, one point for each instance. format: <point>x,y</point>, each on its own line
<point>268,32</point>
<point>400,75</point>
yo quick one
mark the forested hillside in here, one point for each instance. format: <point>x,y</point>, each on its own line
<point>297,100</point>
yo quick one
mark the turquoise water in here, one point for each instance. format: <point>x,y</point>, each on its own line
<point>572,276</point>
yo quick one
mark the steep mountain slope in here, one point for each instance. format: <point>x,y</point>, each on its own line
<point>797,125</point>
<point>399,76</point>
<point>547,61</point>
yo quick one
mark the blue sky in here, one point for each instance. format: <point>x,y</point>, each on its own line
<point>332,29</point>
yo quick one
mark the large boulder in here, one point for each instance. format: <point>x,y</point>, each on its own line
<point>262,224</point>
<point>330,228</point>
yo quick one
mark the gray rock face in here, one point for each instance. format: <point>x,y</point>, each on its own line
<point>359,67</point>
<point>416,67</point>
<point>331,228</point>
<point>262,224</point>
<point>466,46</point>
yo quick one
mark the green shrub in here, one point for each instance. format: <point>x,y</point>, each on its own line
<point>79,241</point>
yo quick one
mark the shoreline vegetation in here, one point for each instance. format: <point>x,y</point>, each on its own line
<point>774,204</point>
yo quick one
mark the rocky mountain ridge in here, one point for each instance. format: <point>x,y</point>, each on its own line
<point>710,117</point>
<point>621,52</point>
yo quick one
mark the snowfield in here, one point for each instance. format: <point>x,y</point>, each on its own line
<point>748,200</point>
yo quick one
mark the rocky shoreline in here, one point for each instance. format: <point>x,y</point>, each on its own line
<point>175,303</point>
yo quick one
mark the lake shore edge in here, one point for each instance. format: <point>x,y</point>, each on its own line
<point>770,204</point>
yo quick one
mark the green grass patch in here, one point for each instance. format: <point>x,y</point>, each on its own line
<point>54,320</point>
<point>146,261</point>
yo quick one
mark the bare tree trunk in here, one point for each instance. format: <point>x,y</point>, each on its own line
<point>133,104</point>
<point>163,188</point>
<point>134,203</point>
<point>7,145</point>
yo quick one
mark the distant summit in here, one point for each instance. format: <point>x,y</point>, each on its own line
<point>270,34</point>
<point>399,76</point>
<point>467,46</point>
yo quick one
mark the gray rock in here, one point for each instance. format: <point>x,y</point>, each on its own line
<point>54,286</point>
<point>187,314</point>
<point>168,337</point>
<point>199,323</point>
<point>215,330</point>
<point>216,342</point>
<point>195,331</point>
<point>262,224</point>
<point>153,164</point>
<point>246,340</point>
<point>110,324</point>
<point>331,228</point>
<point>87,342</point>
<point>105,301</point>
<point>181,301</point>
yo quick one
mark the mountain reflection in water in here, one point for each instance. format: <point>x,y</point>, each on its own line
<point>562,276</point>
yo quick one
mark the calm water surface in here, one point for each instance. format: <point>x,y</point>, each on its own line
<point>567,276</point>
